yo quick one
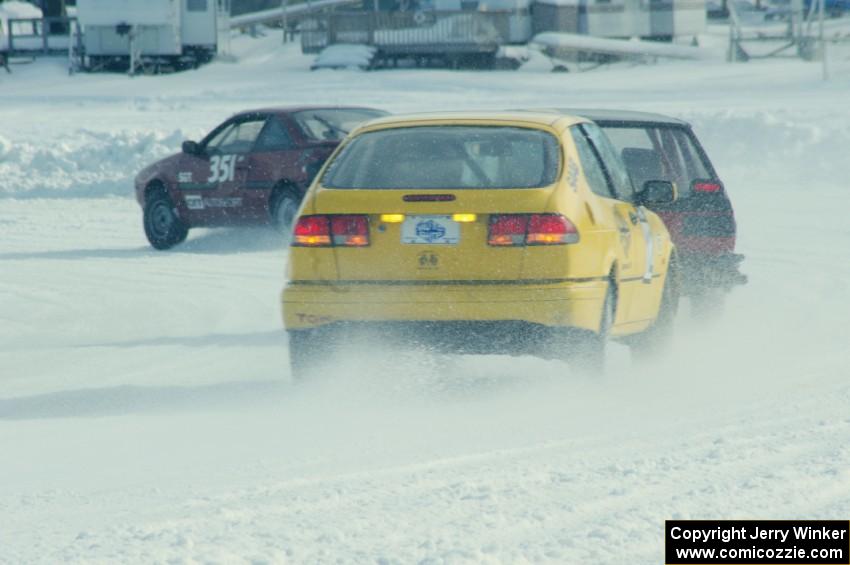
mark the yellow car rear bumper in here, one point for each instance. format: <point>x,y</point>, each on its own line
<point>569,303</point>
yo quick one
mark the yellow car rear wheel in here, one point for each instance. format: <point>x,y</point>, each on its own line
<point>588,348</point>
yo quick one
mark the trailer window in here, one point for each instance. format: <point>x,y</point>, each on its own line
<point>196,5</point>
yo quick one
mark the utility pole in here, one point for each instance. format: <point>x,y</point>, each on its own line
<point>824,66</point>
<point>223,30</point>
<point>284,23</point>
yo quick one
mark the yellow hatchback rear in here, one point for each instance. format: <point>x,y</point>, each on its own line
<point>469,233</point>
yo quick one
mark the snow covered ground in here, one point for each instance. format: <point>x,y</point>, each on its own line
<point>146,413</point>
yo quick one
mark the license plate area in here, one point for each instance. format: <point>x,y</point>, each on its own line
<point>430,230</point>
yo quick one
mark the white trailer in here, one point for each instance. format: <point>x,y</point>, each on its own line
<point>518,14</point>
<point>136,33</point>
<point>658,19</point>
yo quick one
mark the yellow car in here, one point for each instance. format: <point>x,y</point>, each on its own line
<point>515,233</point>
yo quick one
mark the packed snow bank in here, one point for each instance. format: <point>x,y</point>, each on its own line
<point>81,163</point>
<point>345,56</point>
<point>775,148</point>
<point>747,145</point>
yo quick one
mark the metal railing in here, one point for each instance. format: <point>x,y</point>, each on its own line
<point>798,31</point>
<point>38,35</point>
<point>411,32</point>
<point>290,9</point>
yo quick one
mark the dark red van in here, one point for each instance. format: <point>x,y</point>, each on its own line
<point>701,221</point>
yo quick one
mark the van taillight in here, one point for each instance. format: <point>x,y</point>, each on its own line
<point>531,229</point>
<point>705,186</point>
<point>328,231</point>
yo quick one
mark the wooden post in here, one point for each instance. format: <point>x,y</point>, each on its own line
<point>283,19</point>
<point>824,67</point>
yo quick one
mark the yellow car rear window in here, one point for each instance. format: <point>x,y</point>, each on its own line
<point>422,157</point>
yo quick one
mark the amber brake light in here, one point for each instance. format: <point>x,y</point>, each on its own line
<point>507,229</point>
<point>531,229</point>
<point>550,229</point>
<point>327,231</point>
<point>312,231</point>
<point>351,231</point>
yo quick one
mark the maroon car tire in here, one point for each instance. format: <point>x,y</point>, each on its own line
<point>284,210</point>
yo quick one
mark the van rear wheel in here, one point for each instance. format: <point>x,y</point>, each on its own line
<point>659,335</point>
<point>707,304</point>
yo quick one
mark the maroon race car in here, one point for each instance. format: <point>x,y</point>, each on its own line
<point>252,169</point>
<point>701,221</point>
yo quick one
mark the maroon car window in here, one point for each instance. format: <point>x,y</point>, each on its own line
<point>238,137</point>
<point>333,124</point>
<point>447,157</point>
<point>213,142</point>
<point>274,137</point>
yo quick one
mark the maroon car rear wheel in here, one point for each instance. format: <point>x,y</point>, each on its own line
<point>284,211</point>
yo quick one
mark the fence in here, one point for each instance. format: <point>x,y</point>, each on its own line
<point>411,32</point>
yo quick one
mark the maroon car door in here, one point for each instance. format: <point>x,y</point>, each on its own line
<point>191,175</point>
<point>228,163</point>
<point>274,159</point>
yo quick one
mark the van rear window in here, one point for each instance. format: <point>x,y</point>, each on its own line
<point>423,157</point>
<point>659,153</point>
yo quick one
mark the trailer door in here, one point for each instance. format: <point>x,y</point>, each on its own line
<point>198,23</point>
